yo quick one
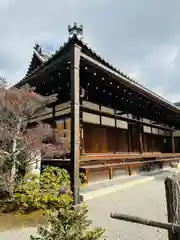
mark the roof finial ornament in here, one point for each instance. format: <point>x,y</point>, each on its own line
<point>38,48</point>
<point>75,30</point>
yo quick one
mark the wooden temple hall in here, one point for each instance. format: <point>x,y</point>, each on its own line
<point>111,124</point>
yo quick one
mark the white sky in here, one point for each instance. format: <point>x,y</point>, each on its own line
<point>141,38</point>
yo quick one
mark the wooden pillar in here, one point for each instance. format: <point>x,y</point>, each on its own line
<point>130,171</point>
<point>129,138</point>
<point>65,136</point>
<point>75,122</point>
<point>173,143</point>
<point>110,173</point>
<point>81,128</point>
<point>116,146</point>
<point>152,140</point>
<point>141,141</point>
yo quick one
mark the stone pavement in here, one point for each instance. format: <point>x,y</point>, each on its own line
<point>145,200</point>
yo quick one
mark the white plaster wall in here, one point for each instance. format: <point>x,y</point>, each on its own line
<point>108,121</point>
<point>122,124</point>
<point>91,118</point>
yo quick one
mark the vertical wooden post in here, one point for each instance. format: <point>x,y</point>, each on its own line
<point>130,171</point>
<point>65,136</point>
<point>129,138</point>
<point>141,142</point>
<point>81,128</point>
<point>75,122</point>
<point>152,141</point>
<point>173,143</point>
<point>110,173</point>
<point>172,187</point>
<point>116,142</point>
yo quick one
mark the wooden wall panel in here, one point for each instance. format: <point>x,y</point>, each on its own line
<point>99,139</point>
<point>177,144</point>
<point>61,132</point>
<point>92,139</point>
<point>167,145</point>
<point>111,139</point>
<point>135,137</point>
<point>88,135</point>
<point>122,140</point>
<point>147,142</point>
<point>158,143</point>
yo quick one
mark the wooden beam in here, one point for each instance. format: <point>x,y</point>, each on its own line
<point>75,122</point>
<point>112,115</point>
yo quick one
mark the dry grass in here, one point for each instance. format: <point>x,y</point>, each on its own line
<point>34,219</point>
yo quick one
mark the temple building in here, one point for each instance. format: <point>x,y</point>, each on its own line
<point>111,124</point>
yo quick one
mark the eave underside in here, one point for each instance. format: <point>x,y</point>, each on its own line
<point>103,87</point>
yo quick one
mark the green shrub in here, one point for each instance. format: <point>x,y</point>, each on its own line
<point>69,223</point>
<point>50,190</point>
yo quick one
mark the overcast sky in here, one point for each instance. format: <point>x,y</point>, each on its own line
<point>141,38</point>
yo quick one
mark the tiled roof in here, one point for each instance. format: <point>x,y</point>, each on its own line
<point>47,58</point>
<point>41,54</point>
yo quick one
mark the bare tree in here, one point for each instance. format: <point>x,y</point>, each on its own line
<point>16,138</point>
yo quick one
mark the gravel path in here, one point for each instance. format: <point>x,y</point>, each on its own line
<point>144,200</point>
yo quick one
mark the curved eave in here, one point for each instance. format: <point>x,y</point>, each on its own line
<point>89,52</point>
<point>46,63</point>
